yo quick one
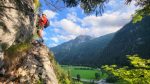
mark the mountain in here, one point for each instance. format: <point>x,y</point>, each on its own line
<point>72,43</point>
<point>82,50</point>
<point>131,39</point>
<point>82,38</point>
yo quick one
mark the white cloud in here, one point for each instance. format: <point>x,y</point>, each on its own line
<point>73,17</point>
<point>63,38</point>
<point>52,45</point>
<point>71,26</point>
<point>110,21</point>
<point>92,25</point>
<point>56,40</point>
<point>50,14</point>
<point>66,38</point>
<point>57,30</point>
<point>106,22</point>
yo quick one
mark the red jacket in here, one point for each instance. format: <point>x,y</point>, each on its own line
<point>42,21</point>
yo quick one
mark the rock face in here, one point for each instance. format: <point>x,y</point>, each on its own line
<point>15,21</point>
<point>35,67</point>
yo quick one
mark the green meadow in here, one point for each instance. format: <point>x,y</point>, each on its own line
<point>84,72</point>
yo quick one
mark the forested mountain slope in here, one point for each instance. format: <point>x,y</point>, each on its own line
<point>79,52</point>
<point>131,39</point>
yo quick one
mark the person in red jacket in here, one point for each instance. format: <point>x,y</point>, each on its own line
<point>41,23</point>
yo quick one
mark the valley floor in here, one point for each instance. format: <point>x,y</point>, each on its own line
<point>87,74</point>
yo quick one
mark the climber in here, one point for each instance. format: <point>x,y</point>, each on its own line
<point>42,21</point>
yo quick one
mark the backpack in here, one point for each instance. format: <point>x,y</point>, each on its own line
<point>47,24</point>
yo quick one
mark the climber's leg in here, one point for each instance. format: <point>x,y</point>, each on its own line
<point>40,33</point>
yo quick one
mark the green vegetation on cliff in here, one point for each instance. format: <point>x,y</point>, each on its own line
<point>63,77</point>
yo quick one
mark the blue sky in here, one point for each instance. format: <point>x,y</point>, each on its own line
<point>72,22</point>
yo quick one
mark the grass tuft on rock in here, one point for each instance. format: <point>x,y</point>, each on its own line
<point>14,54</point>
<point>16,49</point>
